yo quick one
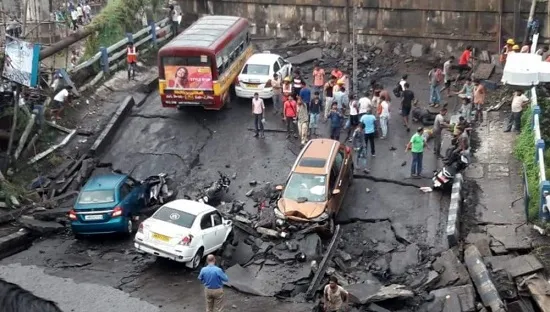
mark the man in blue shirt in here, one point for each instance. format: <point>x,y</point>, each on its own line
<point>305,93</point>
<point>335,116</point>
<point>212,277</point>
<point>370,130</point>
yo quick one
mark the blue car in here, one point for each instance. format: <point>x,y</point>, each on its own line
<point>108,204</point>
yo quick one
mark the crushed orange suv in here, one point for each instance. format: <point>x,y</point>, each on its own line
<point>317,183</point>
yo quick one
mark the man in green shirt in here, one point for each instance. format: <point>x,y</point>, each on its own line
<point>416,145</point>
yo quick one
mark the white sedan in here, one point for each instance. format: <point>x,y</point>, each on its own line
<point>257,71</point>
<point>184,231</point>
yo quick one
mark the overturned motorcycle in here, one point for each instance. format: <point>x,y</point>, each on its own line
<point>161,189</point>
<point>212,194</point>
<point>444,177</point>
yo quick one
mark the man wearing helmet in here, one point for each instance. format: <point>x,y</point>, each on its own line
<point>507,48</point>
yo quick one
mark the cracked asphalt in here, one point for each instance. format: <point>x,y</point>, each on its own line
<point>192,146</point>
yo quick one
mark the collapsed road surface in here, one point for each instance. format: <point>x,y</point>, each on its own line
<point>389,228</point>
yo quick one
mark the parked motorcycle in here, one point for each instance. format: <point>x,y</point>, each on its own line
<point>443,178</point>
<point>214,192</point>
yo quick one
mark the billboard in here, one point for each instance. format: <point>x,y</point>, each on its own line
<point>21,62</point>
<point>188,77</point>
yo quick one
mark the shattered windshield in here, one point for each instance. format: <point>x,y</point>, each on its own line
<point>97,197</point>
<point>303,187</point>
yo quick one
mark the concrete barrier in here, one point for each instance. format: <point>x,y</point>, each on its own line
<point>453,223</point>
<point>15,242</point>
<point>107,134</point>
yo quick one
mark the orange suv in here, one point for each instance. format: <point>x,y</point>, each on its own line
<point>317,183</point>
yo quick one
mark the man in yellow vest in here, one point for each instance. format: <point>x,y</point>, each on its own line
<point>131,58</point>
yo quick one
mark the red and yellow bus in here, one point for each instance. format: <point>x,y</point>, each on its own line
<point>200,65</point>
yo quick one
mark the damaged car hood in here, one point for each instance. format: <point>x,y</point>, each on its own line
<point>305,210</point>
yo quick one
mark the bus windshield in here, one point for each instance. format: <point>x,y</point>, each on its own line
<point>188,72</point>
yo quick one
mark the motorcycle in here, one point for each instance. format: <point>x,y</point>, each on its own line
<point>442,179</point>
<point>214,192</point>
<point>159,192</point>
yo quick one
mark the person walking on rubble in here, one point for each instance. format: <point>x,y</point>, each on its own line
<point>213,277</point>
<point>335,296</point>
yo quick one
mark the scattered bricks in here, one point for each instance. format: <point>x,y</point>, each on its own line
<point>454,212</point>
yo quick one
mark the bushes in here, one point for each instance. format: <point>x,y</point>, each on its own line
<point>114,21</point>
<point>525,152</point>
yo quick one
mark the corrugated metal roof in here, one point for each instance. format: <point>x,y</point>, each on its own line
<point>204,32</point>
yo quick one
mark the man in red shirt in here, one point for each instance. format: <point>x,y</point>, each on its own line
<point>337,73</point>
<point>290,112</point>
<point>464,61</point>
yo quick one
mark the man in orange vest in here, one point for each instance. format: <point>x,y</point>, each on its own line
<point>131,58</point>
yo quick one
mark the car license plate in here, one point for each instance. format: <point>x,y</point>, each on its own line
<point>161,237</point>
<point>252,86</point>
<point>93,217</point>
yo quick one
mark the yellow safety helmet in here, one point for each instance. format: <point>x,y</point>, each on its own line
<point>510,41</point>
<point>340,82</point>
<point>516,47</point>
<point>287,79</point>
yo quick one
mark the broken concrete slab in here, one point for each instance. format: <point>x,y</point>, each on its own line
<point>453,272</point>
<point>283,254</point>
<point>311,246</point>
<point>511,236</point>
<point>522,265</point>
<point>401,261</point>
<point>482,280</point>
<point>308,56</point>
<point>539,289</point>
<point>363,294</point>
<point>51,214</point>
<point>40,227</point>
<point>381,232</point>
<point>496,263</point>
<point>265,280</point>
<point>373,307</point>
<point>402,233</point>
<point>425,280</point>
<point>484,248</point>
<point>484,71</point>
<point>452,303</point>
<point>465,294</point>
<point>472,238</point>
<point>417,50</point>
<point>243,253</point>
<point>15,242</point>
<point>360,293</point>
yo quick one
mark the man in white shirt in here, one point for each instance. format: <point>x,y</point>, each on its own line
<point>258,109</point>
<point>59,101</point>
<point>518,102</point>
<point>384,116</point>
<point>447,67</point>
<point>353,115</point>
<point>403,82</point>
<point>364,105</point>
<point>74,18</point>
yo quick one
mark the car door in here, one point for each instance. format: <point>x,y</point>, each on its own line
<point>208,233</point>
<point>345,172</point>
<point>285,67</point>
<point>332,185</point>
<point>134,196</point>
<point>340,181</point>
<point>277,69</point>
<point>219,227</point>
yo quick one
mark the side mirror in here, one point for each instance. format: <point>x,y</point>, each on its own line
<point>227,222</point>
<point>279,188</point>
<point>336,192</point>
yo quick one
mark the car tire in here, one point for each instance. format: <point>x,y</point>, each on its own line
<point>129,226</point>
<point>196,261</point>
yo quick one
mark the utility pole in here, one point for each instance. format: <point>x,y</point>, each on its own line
<point>354,44</point>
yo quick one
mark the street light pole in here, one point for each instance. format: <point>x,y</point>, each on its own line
<point>354,44</point>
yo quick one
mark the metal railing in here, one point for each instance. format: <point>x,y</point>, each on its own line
<point>114,57</point>
<point>544,185</point>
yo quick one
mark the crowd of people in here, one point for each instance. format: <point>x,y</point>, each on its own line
<point>76,14</point>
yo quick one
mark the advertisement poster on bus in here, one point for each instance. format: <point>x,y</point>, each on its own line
<point>21,62</point>
<point>188,77</point>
